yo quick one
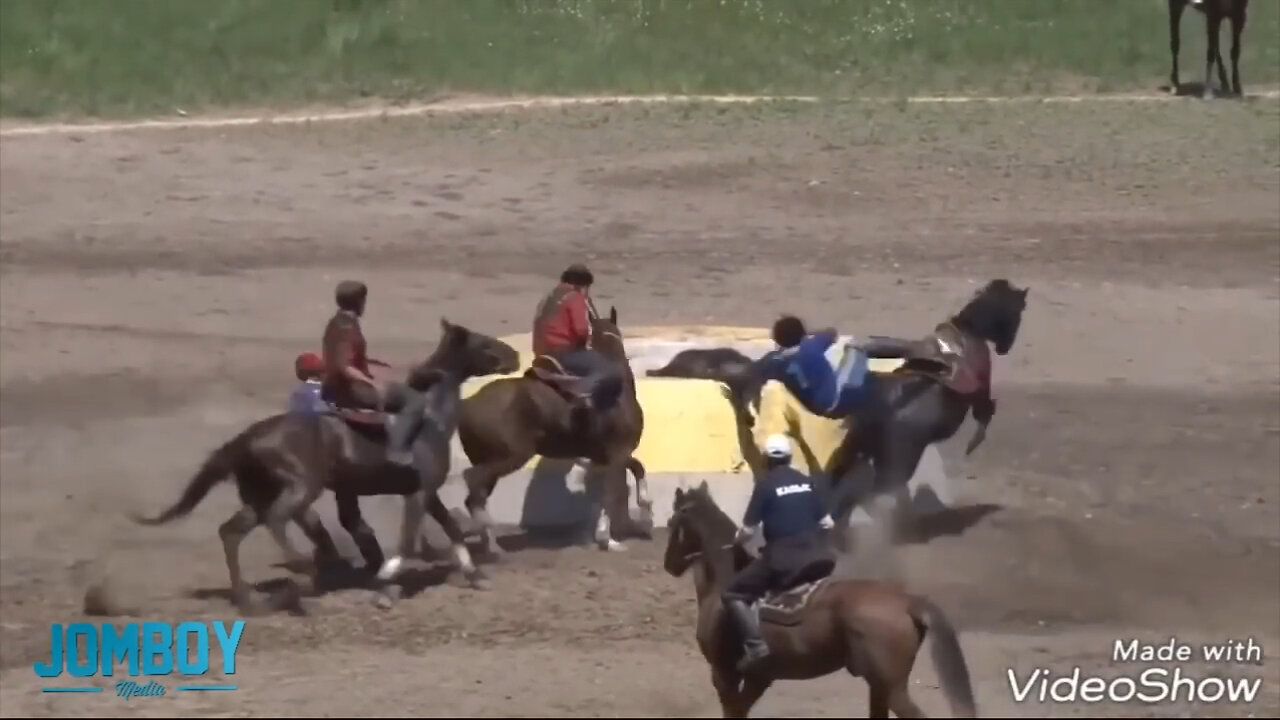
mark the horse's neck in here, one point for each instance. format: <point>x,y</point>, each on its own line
<point>443,399</point>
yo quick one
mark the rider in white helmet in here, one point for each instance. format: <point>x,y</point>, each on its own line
<point>792,512</point>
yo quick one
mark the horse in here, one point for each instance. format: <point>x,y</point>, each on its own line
<point>925,400</point>
<point>872,630</point>
<point>726,366</point>
<point>282,464</point>
<point>508,421</point>
<point>1234,11</point>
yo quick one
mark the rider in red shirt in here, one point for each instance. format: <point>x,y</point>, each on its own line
<point>562,330</point>
<point>348,382</point>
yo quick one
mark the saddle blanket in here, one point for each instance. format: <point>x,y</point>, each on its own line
<point>784,607</point>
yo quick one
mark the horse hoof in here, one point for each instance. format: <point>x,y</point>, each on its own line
<point>384,602</point>
<point>612,546</point>
<point>390,568</point>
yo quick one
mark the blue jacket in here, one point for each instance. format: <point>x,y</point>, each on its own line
<point>787,504</point>
<point>805,371</point>
<point>305,398</point>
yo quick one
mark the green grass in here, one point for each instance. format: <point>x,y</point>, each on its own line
<point>129,57</point>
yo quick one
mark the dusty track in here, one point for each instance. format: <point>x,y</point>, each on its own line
<point>155,286</point>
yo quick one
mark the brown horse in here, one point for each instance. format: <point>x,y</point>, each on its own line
<point>509,421</point>
<point>1215,11</point>
<point>870,629</point>
<point>283,463</point>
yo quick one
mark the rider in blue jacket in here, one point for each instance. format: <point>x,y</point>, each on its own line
<point>801,365</point>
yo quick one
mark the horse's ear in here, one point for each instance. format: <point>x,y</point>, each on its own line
<point>1023,292</point>
<point>703,488</point>
<point>613,315</point>
<point>445,325</point>
<point>679,494</point>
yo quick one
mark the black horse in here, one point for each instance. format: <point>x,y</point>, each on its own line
<point>944,376</point>
<point>283,463</point>
<point>1215,11</point>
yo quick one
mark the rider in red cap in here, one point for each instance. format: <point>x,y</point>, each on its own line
<point>305,398</point>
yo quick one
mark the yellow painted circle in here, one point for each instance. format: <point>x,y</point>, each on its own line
<point>689,426</point>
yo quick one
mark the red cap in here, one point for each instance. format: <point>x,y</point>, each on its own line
<point>308,365</point>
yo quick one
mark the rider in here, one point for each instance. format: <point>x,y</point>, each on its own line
<point>562,330</point>
<point>801,365</point>
<point>792,512</point>
<point>305,398</point>
<point>349,384</point>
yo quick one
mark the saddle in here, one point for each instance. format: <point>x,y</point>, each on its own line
<point>786,607</point>
<point>951,358</point>
<point>546,369</point>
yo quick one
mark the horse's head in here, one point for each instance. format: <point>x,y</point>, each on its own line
<point>468,353</point>
<point>995,314</point>
<point>698,529</point>
<point>606,338</point>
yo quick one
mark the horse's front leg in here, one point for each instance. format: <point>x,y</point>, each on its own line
<point>410,528</point>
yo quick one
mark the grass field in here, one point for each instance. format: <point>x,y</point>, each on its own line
<point>131,57</point>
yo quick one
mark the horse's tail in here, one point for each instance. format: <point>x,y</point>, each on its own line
<point>948,658</point>
<point>216,468</point>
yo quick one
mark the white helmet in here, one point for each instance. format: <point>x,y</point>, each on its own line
<point>778,446</point>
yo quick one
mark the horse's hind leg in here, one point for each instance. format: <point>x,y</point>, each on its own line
<point>233,532</point>
<point>902,705</point>
<point>314,529</point>
<point>289,506</point>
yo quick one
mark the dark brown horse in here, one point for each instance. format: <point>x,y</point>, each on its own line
<point>510,420</point>
<point>283,463</point>
<point>925,400</point>
<point>1215,11</point>
<point>871,630</point>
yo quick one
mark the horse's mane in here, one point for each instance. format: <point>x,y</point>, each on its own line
<point>709,517</point>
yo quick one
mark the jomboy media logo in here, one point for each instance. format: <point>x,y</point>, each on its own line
<point>140,652</point>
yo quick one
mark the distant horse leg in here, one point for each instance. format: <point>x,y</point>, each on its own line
<point>1175,18</point>
<point>233,532</point>
<point>609,498</point>
<point>1213,22</point>
<point>877,699</point>
<point>351,519</point>
<point>1237,30</point>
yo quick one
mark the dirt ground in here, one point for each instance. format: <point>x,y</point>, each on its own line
<point>157,285</point>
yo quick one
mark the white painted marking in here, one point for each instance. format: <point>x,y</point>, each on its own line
<point>489,106</point>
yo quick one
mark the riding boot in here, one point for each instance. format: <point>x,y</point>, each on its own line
<point>748,624</point>
<point>405,427</point>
